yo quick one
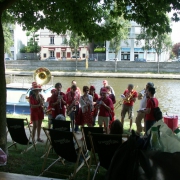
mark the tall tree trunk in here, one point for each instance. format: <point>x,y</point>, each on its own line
<point>76,56</point>
<point>3,137</point>
<point>158,64</point>
<point>91,47</point>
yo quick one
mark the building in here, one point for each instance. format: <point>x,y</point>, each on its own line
<point>19,39</point>
<point>53,45</point>
<point>132,49</point>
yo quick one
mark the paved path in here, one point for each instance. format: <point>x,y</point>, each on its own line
<point>96,74</point>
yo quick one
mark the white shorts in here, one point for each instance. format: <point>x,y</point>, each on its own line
<point>102,119</point>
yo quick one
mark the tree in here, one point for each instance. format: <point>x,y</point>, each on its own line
<point>81,17</point>
<point>8,37</point>
<point>122,34</point>
<point>75,41</point>
<point>176,49</point>
<point>160,43</point>
<point>32,44</point>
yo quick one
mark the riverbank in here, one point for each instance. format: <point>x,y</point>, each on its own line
<point>99,74</point>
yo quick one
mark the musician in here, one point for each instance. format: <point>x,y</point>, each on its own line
<point>49,108</point>
<point>112,97</point>
<point>72,100</point>
<point>127,107</point>
<point>86,102</point>
<point>105,106</point>
<point>73,83</point>
<point>105,83</point>
<point>152,103</point>
<point>92,92</point>
<point>58,101</point>
<point>36,102</point>
<point>140,115</point>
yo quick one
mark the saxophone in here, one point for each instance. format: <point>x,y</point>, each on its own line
<point>42,102</point>
<point>71,108</point>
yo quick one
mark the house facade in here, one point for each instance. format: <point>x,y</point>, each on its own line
<point>132,49</point>
<point>53,45</point>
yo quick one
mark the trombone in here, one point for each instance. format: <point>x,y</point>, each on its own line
<point>118,104</point>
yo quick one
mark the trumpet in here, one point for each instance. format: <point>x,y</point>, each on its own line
<point>141,94</point>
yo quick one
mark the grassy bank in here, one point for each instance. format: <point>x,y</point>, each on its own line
<point>30,163</point>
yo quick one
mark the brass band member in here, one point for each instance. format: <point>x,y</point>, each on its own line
<point>36,102</point>
<point>95,98</point>
<point>72,98</point>
<point>58,101</point>
<point>130,98</point>
<point>140,114</point>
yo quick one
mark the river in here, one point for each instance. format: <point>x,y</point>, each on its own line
<point>167,91</point>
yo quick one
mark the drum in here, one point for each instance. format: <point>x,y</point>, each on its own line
<point>171,121</point>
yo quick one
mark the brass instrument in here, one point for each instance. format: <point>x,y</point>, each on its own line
<point>59,98</point>
<point>118,104</point>
<point>141,94</point>
<point>71,108</point>
<point>128,99</point>
<point>42,76</point>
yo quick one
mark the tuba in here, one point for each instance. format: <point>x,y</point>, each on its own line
<point>42,76</point>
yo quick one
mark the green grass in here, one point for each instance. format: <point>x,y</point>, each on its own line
<point>30,163</point>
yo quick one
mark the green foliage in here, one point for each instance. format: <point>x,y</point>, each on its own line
<point>122,34</point>
<point>160,43</point>
<point>100,50</point>
<point>8,37</point>
<point>32,45</point>
<point>87,17</point>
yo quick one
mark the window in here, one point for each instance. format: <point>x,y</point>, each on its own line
<point>51,39</point>
<point>51,53</point>
<point>83,55</point>
<point>64,40</point>
<point>44,55</point>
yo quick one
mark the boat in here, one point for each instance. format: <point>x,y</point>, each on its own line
<point>17,101</point>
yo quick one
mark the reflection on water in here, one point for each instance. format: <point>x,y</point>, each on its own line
<point>167,91</point>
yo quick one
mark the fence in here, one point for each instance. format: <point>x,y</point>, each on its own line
<point>97,56</point>
<point>27,56</point>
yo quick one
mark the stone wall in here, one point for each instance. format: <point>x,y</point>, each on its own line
<point>96,66</point>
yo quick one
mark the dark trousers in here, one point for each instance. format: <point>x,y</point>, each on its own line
<point>149,124</point>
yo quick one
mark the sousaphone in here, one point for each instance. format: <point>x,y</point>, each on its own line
<point>42,75</point>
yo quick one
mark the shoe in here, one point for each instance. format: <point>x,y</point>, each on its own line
<point>40,140</point>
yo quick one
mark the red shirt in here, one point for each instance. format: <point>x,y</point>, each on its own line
<point>70,97</point>
<point>69,89</point>
<point>151,105</point>
<point>102,110</point>
<point>133,94</point>
<point>56,110</point>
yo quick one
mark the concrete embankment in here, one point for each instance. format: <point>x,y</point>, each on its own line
<point>100,74</point>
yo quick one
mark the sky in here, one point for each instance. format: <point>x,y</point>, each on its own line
<point>175,35</point>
